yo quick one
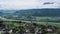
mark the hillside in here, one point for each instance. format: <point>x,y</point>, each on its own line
<point>39,12</point>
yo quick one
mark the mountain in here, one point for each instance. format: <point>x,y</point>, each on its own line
<point>33,12</point>
<point>8,11</point>
<point>1,13</point>
<point>39,12</point>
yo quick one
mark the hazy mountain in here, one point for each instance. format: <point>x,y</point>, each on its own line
<point>1,13</point>
<point>39,12</point>
<point>33,12</point>
<point>8,11</point>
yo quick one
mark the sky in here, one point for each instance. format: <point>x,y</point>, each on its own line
<point>28,4</point>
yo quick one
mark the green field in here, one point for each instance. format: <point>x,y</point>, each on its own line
<point>38,20</point>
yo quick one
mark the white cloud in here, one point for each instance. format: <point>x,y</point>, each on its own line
<point>27,4</point>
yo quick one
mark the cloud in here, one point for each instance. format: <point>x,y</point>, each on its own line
<point>27,4</point>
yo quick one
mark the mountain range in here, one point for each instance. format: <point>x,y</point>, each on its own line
<point>33,12</point>
<point>39,12</point>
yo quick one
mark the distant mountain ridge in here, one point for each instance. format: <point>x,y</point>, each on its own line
<point>39,12</point>
<point>8,11</point>
<point>33,12</point>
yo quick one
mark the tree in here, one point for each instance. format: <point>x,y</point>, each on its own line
<point>1,23</point>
